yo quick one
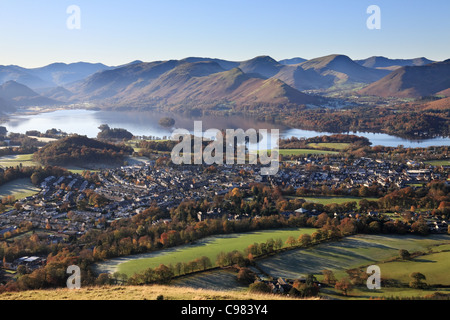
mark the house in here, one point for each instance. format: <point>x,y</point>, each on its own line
<point>302,211</point>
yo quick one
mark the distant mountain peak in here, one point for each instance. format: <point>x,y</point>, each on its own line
<point>412,81</point>
<point>384,62</point>
<point>292,61</point>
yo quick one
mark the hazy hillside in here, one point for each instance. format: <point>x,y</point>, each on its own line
<point>292,61</point>
<point>16,94</point>
<point>53,75</point>
<point>392,64</point>
<point>60,74</point>
<point>262,65</point>
<point>343,69</point>
<point>178,82</point>
<point>108,83</point>
<point>301,79</point>
<point>21,75</point>
<point>225,64</point>
<point>412,82</point>
<point>58,93</point>
<point>209,82</point>
<point>6,106</point>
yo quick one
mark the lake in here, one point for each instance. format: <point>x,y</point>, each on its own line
<point>86,122</point>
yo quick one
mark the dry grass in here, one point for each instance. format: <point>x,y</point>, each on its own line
<point>137,293</point>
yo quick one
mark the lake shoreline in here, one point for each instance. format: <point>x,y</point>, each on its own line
<point>84,119</point>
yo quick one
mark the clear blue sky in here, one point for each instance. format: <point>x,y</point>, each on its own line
<point>33,32</point>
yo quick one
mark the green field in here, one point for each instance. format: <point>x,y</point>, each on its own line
<point>209,247</point>
<point>434,266</point>
<point>361,293</point>
<point>331,145</point>
<point>438,162</point>
<point>15,160</point>
<point>338,200</point>
<point>20,188</point>
<point>27,161</point>
<point>349,253</point>
<point>296,152</point>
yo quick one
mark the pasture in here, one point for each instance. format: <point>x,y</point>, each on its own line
<point>209,247</point>
<point>438,162</point>
<point>338,200</point>
<point>434,266</point>
<point>20,188</point>
<point>296,152</point>
<point>331,145</point>
<point>15,160</point>
<point>351,252</point>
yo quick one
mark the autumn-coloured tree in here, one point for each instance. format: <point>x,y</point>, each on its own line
<point>344,285</point>
<point>245,276</point>
<point>305,240</point>
<point>328,277</point>
<point>291,241</point>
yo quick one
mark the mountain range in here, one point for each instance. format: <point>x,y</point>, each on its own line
<point>14,94</point>
<point>392,64</point>
<point>55,74</point>
<point>413,82</point>
<point>218,82</point>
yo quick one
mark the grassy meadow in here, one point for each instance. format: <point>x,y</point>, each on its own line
<point>20,188</point>
<point>209,247</point>
<point>330,145</point>
<point>15,160</point>
<point>351,252</point>
<point>296,152</point>
<point>438,162</point>
<point>338,200</point>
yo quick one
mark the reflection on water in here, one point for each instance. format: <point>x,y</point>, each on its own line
<point>86,122</point>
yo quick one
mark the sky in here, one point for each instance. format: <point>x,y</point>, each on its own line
<point>35,33</point>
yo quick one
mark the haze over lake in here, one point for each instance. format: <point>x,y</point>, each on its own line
<point>86,122</point>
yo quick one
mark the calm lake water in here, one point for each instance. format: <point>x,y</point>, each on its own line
<point>86,122</point>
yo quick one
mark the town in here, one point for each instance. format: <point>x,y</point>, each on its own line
<point>71,205</point>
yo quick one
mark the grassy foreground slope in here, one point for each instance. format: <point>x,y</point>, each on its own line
<point>209,247</point>
<point>137,293</point>
<point>19,188</point>
<point>351,252</point>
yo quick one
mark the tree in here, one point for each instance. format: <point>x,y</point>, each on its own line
<point>305,240</point>
<point>163,274</point>
<point>328,277</point>
<point>417,281</point>
<point>404,254</point>
<point>291,241</point>
<point>21,270</point>
<point>103,279</point>
<point>420,227</point>
<point>344,285</point>
<point>374,227</point>
<point>245,276</point>
<point>166,122</point>
<point>259,287</point>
